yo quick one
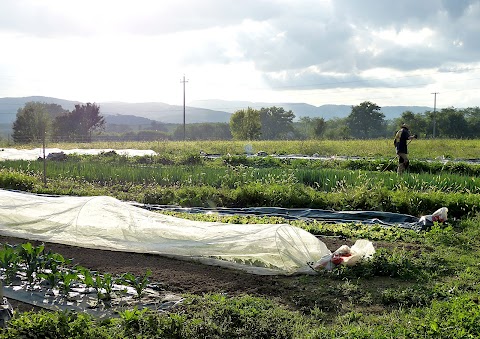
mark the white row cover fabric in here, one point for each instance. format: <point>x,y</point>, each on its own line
<point>34,154</point>
<point>106,223</point>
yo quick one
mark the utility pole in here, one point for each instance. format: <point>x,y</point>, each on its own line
<point>434,111</point>
<point>44,160</point>
<point>183,82</point>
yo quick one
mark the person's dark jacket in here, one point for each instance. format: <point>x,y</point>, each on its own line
<point>401,139</point>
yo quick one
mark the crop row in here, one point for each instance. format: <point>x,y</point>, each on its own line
<point>320,175</point>
<point>41,267</point>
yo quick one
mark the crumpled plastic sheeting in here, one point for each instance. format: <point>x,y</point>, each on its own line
<point>106,223</point>
<point>362,250</point>
<point>366,217</point>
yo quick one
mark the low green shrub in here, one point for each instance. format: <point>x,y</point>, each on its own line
<point>210,316</point>
<point>241,317</point>
<point>18,180</point>
<point>45,324</point>
<point>396,263</point>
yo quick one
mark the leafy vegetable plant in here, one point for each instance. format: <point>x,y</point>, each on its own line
<point>138,283</point>
<point>104,286</point>
<point>67,278</point>
<point>9,261</point>
<point>53,263</point>
<point>32,257</point>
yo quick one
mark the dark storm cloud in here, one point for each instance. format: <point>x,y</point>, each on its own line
<point>378,13</point>
<point>340,43</point>
<point>292,45</point>
<point>308,79</point>
<point>456,8</point>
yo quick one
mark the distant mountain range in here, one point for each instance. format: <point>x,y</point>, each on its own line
<point>305,110</point>
<point>195,112</point>
<point>153,111</point>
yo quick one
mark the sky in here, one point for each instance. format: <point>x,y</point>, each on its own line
<point>296,51</point>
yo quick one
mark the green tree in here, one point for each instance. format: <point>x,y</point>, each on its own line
<point>417,122</point>
<point>156,126</point>
<point>245,124</point>
<point>337,129</point>
<point>54,110</point>
<point>472,115</point>
<point>79,124</point>
<point>452,123</point>
<point>303,127</point>
<point>366,121</point>
<point>276,123</point>
<point>319,126</point>
<point>33,122</point>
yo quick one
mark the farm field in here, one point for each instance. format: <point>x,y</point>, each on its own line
<point>417,285</point>
<point>421,149</point>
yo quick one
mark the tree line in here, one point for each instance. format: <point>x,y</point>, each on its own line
<point>36,121</point>
<point>365,121</point>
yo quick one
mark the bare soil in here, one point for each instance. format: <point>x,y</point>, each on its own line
<point>177,276</point>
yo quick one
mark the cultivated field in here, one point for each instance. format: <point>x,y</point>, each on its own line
<point>418,284</point>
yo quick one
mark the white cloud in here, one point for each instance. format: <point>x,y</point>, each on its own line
<point>330,51</point>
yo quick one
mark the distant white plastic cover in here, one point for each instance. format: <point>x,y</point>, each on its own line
<point>34,154</point>
<point>106,223</point>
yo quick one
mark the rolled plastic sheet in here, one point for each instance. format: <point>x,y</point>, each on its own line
<point>366,217</point>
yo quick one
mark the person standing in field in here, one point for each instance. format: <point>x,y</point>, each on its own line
<point>401,141</point>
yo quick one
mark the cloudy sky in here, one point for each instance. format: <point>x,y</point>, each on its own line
<point>312,51</point>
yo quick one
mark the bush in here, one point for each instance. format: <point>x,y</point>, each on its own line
<point>395,263</point>
<point>240,317</point>
<point>17,180</point>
